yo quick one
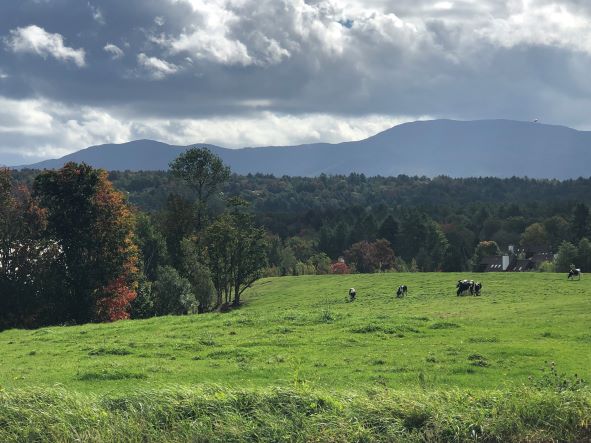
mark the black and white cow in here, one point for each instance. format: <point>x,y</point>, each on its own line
<point>476,288</point>
<point>465,286</point>
<point>352,294</point>
<point>402,290</point>
<point>574,273</point>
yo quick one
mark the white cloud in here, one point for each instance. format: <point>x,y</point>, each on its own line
<point>33,39</point>
<point>115,51</point>
<point>97,14</point>
<point>443,5</point>
<point>531,22</point>
<point>267,32</point>
<point>27,117</point>
<point>155,67</point>
<point>266,129</point>
<point>40,129</point>
<point>210,36</point>
<point>212,46</point>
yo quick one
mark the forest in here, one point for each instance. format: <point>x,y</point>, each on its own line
<point>83,245</point>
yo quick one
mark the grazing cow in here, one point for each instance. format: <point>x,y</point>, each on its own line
<point>476,288</point>
<point>464,286</point>
<point>352,294</point>
<point>574,273</point>
<point>402,290</point>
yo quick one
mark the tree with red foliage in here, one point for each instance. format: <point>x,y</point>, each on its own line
<point>93,226</point>
<point>370,257</point>
<point>340,267</point>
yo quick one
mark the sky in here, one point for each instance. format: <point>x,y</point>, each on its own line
<point>236,73</point>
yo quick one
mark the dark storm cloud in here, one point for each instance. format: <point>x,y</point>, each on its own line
<point>80,66</point>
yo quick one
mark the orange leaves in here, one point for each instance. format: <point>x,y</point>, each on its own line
<point>339,268</point>
<point>115,304</point>
<point>94,226</point>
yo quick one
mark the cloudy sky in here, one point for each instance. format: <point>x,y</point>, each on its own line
<point>74,73</point>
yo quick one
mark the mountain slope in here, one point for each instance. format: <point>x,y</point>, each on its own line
<point>502,148</point>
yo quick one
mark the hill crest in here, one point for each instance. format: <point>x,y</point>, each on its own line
<point>501,148</point>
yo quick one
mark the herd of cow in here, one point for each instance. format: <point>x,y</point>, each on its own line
<point>400,292</point>
<point>463,287</point>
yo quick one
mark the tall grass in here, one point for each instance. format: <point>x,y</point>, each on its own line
<point>216,414</point>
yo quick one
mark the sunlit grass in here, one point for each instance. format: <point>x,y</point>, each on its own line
<point>303,329</point>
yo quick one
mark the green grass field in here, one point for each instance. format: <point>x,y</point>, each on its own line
<point>298,362</point>
<point>297,330</point>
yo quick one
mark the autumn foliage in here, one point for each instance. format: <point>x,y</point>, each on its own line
<point>93,226</point>
<point>339,268</point>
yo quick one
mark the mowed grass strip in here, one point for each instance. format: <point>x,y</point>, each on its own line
<point>302,330</point>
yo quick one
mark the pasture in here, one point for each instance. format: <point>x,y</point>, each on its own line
<point>298,362</point>
<point>302,331</point>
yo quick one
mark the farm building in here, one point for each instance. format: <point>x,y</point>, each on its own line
<point>506,263</point>
<point>493,263</point>
<point>521,265</point>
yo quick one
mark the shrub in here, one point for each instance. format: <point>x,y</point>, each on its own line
<point>339,268</point>
<point>172,293</point>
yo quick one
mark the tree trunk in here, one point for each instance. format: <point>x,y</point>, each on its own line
<point>237,294</point>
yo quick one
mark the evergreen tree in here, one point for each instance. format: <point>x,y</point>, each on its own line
<point>152,245</point>
<point>177,222</point>
<point>413,233</point>
<point>580,223</point>
<point>389,231</point>
<point>371,228</point>
<point>584,255</point>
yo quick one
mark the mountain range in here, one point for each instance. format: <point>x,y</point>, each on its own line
<point>500,148</point>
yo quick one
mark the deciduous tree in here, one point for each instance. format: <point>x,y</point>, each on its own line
<point>204,172</point>
<point>567,256</point>
<point>535,239</point>
<point>93,226</point>
<point>236,254</point>
<point>27,260</point>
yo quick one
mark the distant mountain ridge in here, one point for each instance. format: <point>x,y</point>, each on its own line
<point>500,148</point>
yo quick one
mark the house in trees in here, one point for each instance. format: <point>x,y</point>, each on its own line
<point>521,265</point>
<point>506,263</point>
<point>493,263</point>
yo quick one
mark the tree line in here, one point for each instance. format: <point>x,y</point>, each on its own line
<point>80,244</point>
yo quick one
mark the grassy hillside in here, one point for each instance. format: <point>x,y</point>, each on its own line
<point>301,331</point>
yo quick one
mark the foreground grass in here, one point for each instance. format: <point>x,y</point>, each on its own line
<point>225,415</point>
<point>302,330</point>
